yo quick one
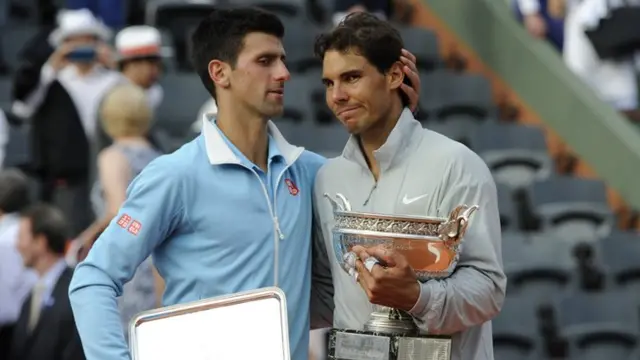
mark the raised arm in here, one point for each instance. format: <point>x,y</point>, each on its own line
<point>152,211</point>
<point>114,174</point>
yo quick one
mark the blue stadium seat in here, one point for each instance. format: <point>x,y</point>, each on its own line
<point>13,40</point>
<point>424,45</point>
<point>516,154</point>
<point>297,99</point>
<point>298,41</point>
<point>445,94</point>
<point>184,94</point>
<point>18,148</point>
<point>620,254</point>
<point>458,128</point>
<point>283,8</point>
<point>325,139</point>
<point>515,330</point>
<point>598,325</point>
<point>507,207</point>
<point>179,18</point>
<point>5,92</point>
<point>542,270</point>
<point>571,208</point>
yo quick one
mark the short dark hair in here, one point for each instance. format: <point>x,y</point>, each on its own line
<point>368,36</point>
<point>221,36</point>
<point>14,191</point>
<point>49,221</point>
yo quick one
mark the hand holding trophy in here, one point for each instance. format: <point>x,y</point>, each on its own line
<point>389,255</point>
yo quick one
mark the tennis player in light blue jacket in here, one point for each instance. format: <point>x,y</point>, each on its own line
<point>228,212</point>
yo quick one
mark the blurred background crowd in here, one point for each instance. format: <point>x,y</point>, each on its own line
<point>545,91</point>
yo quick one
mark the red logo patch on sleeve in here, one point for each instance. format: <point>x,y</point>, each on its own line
<point>124,221</point>
<point>135,227</point>
<point>293,189</point>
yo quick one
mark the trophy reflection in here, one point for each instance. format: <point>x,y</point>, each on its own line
<point>431,245</point>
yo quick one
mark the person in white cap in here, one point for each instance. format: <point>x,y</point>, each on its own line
<point>63,112</point>
<point>140,59</point>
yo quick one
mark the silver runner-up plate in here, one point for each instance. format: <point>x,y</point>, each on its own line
<point>247,325</point>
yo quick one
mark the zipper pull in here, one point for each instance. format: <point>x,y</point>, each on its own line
<point>366,201</point>
<point>277,225</point>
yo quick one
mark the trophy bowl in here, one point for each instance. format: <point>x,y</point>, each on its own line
<point>431,245</point>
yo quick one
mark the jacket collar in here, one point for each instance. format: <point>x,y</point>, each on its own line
<point>405,135</point>
<point>219,152</point>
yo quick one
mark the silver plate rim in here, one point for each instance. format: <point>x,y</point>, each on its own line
<point>407,218</point>
<point>210,303</point>
<point>386,235</point>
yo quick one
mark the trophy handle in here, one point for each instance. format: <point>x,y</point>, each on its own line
<point>342,205</point>
<point>454,229</point>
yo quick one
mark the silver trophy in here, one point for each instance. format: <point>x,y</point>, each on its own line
<point>432,246</point>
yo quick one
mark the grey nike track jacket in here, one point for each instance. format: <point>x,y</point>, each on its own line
<point>421,173</point>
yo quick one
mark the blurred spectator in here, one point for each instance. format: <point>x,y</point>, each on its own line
<point>613,81</point>
<point>342,8</point>
<point>126,117</point>
<point>140,62</point>
<point>15,280</point>
<point>46,328</point>
<point>543,19</point>
<point>111,12</point>
<point>63,110</point>
<point>140,59</point>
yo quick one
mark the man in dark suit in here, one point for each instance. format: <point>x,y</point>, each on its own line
<point>45,329</point>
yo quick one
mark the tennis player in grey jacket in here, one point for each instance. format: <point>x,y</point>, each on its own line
<point>392,165</point>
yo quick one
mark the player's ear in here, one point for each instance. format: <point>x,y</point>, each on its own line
<point>219,72</point>
<point>395,76</point>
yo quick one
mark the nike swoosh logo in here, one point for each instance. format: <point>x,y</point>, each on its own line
<point>406,200</point>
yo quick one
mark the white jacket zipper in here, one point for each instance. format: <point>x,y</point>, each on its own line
<point>277,234</point>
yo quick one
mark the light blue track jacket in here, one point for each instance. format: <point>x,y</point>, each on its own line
<point>215,224</point>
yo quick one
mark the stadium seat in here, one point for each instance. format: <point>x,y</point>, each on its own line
<point>507,207</point>
<point>541,270</point>
<point>321,111</point>
<point>573,209</point>
<point>459,128</point>
<point>179,18</point>
<point>5,92</point>
<point>289,129</point>
<point>184,94</point>
<point>168,51</point>
<point>18,148</point>
<point>325,139</point>
<point>424,45</point>
<point>516,154</point>
<point>290,8</point>
<point>515,330</point>
<point>297,100</point>
<point>445,93</point>
<point>619,254</point>
<point>598,325</point>
<point>514,246</point>
<point>13,40</point>
<point>298,42</point>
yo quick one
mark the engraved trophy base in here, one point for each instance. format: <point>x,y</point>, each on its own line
<point>390,334</point>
